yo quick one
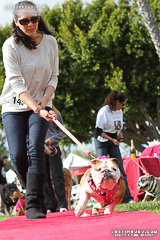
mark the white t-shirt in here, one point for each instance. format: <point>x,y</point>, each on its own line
<point>110,121</point>
<point>28,70</point>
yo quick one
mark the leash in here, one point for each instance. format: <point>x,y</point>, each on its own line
<point>144,171</point>
<point>87,152</point>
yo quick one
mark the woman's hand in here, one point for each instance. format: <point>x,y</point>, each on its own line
<point>120,140</point>
<point>48,141</point>
<point>53,114</point>
<point>42,102</point>
<point>46,115</point>
<point>115,142</point>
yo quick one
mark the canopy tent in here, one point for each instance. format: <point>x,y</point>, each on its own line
<point>11,176</point>
<point>76,164</point>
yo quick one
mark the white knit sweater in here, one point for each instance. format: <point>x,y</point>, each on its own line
<point>28,70</point>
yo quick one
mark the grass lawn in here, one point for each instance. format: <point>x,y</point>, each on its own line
<point>148,206</point>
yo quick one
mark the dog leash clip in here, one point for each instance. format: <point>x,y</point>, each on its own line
<point>144,171</point>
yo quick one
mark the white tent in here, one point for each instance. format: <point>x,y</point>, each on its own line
<point>75,162</point>
<point>11,176</point>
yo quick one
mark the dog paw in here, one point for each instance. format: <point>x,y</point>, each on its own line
<point>85,214</point>
<point>94,214</point>
<point>107,211</point>
<point>79,210</point>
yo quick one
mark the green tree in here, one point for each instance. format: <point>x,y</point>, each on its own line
<point>3,150</point>
<point>9,166</point>
<point>106,46</point>
<point>149,20</point>
<point>83,155</point>
<point>4,34</point>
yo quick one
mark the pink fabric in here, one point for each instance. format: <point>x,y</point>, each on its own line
<point>133,172</point>
<point>22,202</point>
<point>102,157</point>
<point>137,225</point>
<point>149,151</point>
<point>80,171</point>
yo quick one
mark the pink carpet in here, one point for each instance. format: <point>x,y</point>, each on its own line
<point>65,226</point>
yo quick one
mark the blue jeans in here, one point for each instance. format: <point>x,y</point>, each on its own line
<point>109,148</point>
<point>22,128</point>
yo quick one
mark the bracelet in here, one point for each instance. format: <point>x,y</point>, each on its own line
<point>121,138</point>
<point>37,110</point>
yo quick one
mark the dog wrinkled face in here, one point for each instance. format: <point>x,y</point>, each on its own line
<point>105,172</point>
<point>144,182</point>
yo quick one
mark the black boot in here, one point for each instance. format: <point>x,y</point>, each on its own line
<point>34,195</point>
<point>43,207</point>
<point>43,202</point>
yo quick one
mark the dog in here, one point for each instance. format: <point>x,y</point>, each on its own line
<point>104,183</point>
<point>151,186</point>
<point>21,203</point>
<point>68,186</point>
<point>6,195</point>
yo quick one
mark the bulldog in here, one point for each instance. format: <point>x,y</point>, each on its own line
<point>104,183</point>
<point>151,186</point>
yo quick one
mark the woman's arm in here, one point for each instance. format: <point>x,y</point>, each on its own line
<point>29,101</point>
<point>48,93</point>
<point>120,136</point>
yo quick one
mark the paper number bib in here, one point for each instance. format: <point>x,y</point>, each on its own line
<point>15,101</point>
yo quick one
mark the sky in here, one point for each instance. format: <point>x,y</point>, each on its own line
<point>6,8</point>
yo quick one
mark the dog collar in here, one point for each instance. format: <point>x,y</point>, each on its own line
<point>106,194</point>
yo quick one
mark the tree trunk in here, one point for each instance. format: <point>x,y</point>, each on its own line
<point>150,22</point>
<point>142,128</point>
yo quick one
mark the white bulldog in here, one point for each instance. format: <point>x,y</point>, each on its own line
<point>104,183</point>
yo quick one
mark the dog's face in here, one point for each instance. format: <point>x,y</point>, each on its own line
<point>7,193</point>
<point>144,182</point>
<point>105,172</point>
<point>17,194</point>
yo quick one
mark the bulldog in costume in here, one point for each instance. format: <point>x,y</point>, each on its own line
<point>104,183</point>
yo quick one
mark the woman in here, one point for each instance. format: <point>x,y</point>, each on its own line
<point>31,63</point>
<point>54,165</point>
<point>109,124</point>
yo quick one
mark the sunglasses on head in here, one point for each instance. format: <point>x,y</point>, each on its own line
<point>26,21</point>
<point>123,104</point>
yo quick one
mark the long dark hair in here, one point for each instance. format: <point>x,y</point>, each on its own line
<point>113,97</point>
<point>18,34</point>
